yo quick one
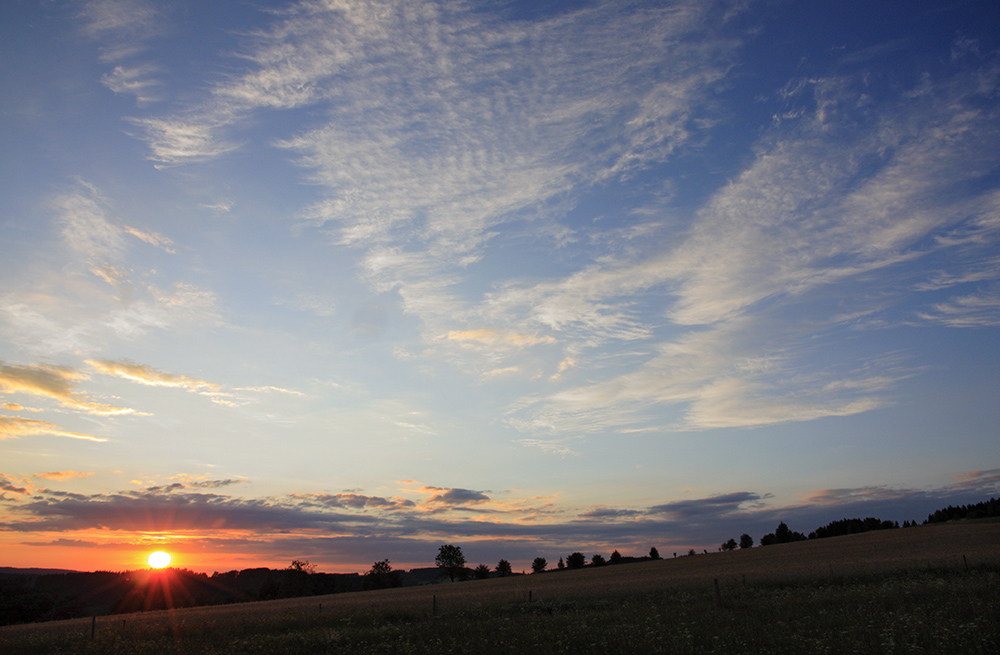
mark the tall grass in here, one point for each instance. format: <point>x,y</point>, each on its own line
<point>930,610</point>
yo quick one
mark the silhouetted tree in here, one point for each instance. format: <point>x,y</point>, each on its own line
<point>538,565</point>
<point>560,565</point>
<point>481,572</point>
<point>598,560</point>
<point>691,552</point>
<point>381,576</point>
<point>301,565</point>
<point>986,509</point>
<point>781,536</point>
<point>653,553</point>
<point>746,541</point>
<point>450,561</point>
<point>503,568</point>
<point>616,558</point>
<point>576,561</point>
<point>729,545</point>
<point>851,526</point>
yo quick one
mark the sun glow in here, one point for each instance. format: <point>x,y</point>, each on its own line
<point>159,559</point>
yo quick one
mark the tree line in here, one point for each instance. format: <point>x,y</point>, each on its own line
<point>782,535</point>
<point>44,597</point>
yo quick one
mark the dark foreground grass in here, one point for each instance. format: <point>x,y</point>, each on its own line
<point>920,611</point>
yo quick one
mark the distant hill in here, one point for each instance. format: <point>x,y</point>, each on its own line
<point>9,570</point>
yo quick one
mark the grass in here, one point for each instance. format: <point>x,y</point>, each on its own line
<point>799,598</point>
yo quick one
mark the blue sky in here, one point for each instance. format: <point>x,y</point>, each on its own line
<point>347,280</point>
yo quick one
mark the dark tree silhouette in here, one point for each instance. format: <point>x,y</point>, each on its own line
<point>450,561</point>
<point>781,536</point>
<point>503,568</point>
<point>616,558</point>
<point>851,526</point>
<point>381,576</point>
<point>576,561</point>
<point>653,553</point>
<point>986,509</point>
<point>481,572</point>
<point>560,564</point>
<point>598,560</point>
<point>746,541</point>
<point>538,565</point>
<point>729,545</point>
<point>301,565</point>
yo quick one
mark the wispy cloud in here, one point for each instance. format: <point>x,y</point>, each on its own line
<point>12,427</point>
<point>490,337</point>
<point>62,475</point>
<point>510,115</point>
<point>107,288</point>
<point>152,238</point>
<point>837,200</point>
<point>138,81</point>
<point>54,382</point>
<point>970,311</point>
<point>184,140</point>
<point>149,376</point>
<point>121,27</point>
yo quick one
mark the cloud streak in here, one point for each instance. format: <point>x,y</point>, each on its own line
<point>53,382</point>
<point>13,427</point>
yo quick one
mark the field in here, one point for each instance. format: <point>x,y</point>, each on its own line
<point>932,589</point>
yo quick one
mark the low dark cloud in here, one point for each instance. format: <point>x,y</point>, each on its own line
<point>355,528</point>
<point>361,502</point>
<point>459,497</point>
<point>609,514</point>
<point>217,484</point>
<point>9,484</point>
<point>702,509</point>
<point>163,509</point>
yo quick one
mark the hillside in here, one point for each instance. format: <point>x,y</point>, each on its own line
<point>926,589</point>
<point>942,545</point>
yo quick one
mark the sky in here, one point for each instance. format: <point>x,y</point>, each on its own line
<point>345,281</point>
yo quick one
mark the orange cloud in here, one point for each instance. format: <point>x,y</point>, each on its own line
<point>149,376</point>
<point>62,475</point>
<point>54,382</point>
<point>12,427</point>
<point>152,238</point>
<point>8,483</point>
<point>490,336</point>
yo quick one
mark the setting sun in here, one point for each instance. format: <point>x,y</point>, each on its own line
<point>159,559</point>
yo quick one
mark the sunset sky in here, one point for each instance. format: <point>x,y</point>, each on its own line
<point>345,280</point>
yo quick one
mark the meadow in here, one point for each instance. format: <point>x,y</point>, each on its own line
<point>931,589</point>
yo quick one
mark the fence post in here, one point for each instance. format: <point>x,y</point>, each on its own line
<point>434,605</point>
<point>93,626</point>
<point>718,594</point>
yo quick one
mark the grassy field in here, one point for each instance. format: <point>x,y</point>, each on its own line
<point>932,589</point>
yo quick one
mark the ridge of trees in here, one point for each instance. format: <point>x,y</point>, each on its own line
<point>987,509</point>
<point>983,510</point>
<point>33,595</point>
